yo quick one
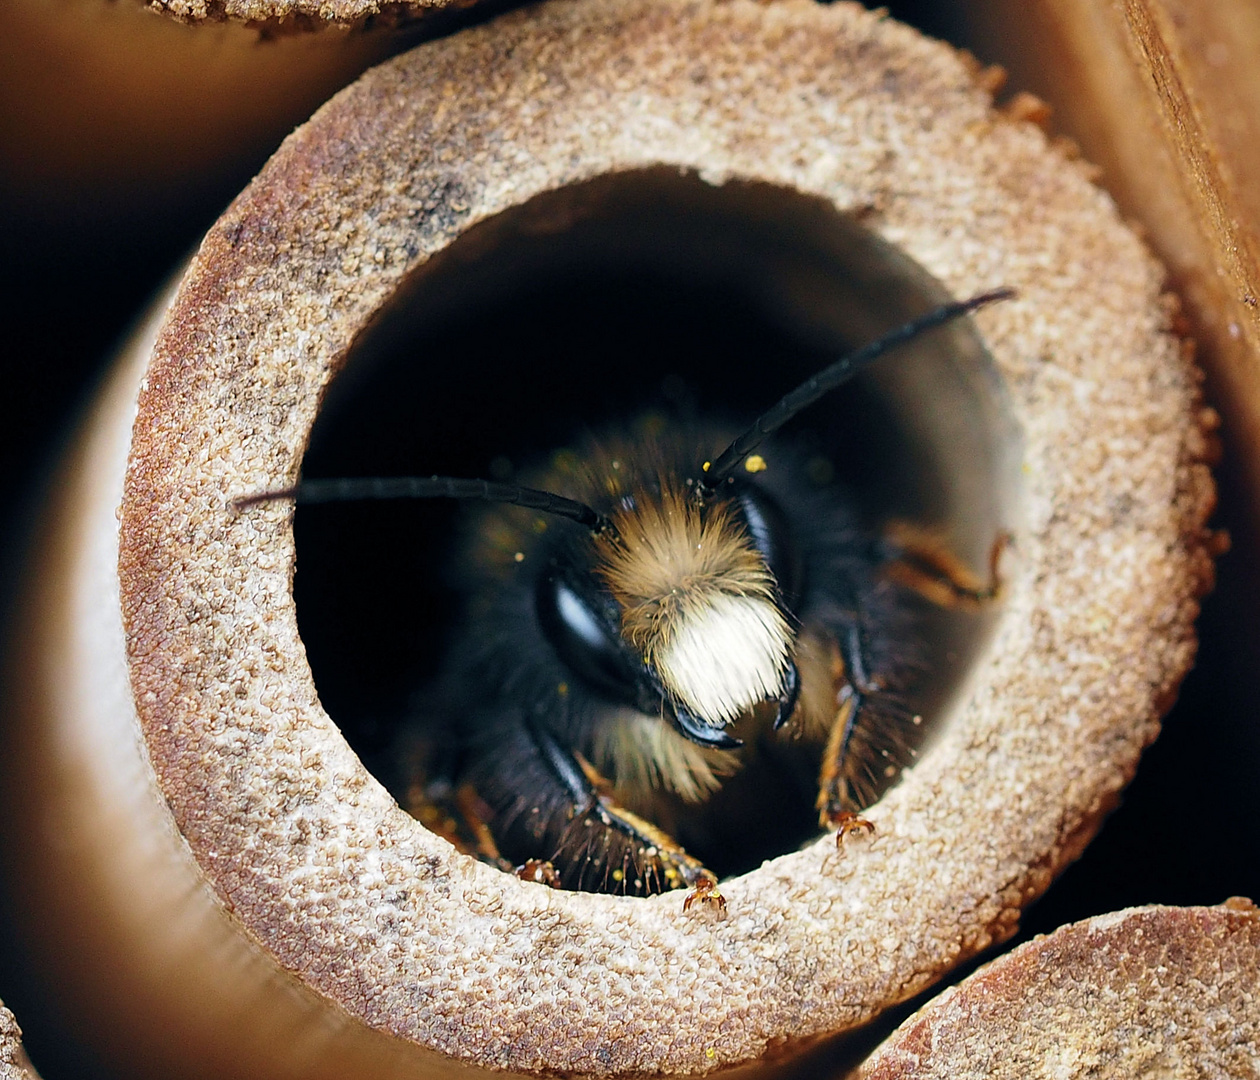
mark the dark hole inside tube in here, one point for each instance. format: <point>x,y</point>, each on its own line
<point>644,292</point>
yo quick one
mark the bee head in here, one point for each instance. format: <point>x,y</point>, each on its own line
<point>675,609</point>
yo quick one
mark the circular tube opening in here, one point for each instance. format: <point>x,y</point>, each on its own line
<point>643,295</point>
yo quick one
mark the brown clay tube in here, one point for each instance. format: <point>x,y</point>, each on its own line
<point>1147,991</point>
<point>267,904</point>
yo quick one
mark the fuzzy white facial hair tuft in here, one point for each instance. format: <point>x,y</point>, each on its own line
<point>727,654</point>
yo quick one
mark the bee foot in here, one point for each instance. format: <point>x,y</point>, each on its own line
<point>705,891</point>
<point>540,871</point>
<point>847,823</point>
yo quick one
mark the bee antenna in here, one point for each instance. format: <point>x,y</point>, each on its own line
<point>833,376</point>
<point>433,487</point>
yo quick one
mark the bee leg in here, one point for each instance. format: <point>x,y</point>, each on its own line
<point>540,871</point>
<point>705,892</point>
<point>920,561</point>
<point>835,803</point>
<point>475,814</point>
<point>632,854</point>
<point>459,816</point>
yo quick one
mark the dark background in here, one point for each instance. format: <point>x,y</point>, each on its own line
<point>72,282</point>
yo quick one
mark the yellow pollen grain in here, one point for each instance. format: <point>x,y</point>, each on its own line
<point>754,463</point>
<point>519,556</point>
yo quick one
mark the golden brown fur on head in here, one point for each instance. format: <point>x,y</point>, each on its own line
<point>666,556</point>
<point>698,602</point>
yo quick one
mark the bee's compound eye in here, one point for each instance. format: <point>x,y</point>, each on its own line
<point>584,634</point>
<point>771,534</point>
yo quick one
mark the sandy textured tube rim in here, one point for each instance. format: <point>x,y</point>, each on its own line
<point>14,1064</point>
<point>284,17</point>
<point>309,852</point>
<point>1148,991</point>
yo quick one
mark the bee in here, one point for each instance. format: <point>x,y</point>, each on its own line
<point>648,620</point>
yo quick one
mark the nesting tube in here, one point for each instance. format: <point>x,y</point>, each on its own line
<point>1178,986</point>
<point>143,121</point>
<point>312,927</point>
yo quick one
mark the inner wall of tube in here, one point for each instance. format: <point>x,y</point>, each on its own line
<point>644,294</point>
